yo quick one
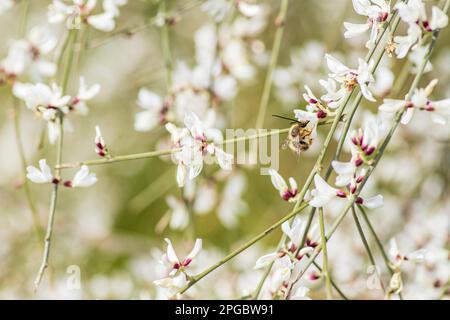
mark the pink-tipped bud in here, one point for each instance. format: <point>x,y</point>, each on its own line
<point>321,114</point>
<point>370,150</point>
<point>55,181</point>
<point>359,200</point>
<point>358,162</point>
<point>68,184</point>
<point>352,188</point>
<point>341,194</point>
<point>312,101</point>
<point>359,179</point>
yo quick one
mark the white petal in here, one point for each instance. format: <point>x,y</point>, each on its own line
<point>170,252</point>
<point>197,248</point>
<point>266,260</point>
<point>374,202</point>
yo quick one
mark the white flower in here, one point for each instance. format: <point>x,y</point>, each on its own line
<point>82,179</point>
<point>103,21</point>
<point>85,93</point>
<point>286,193</point>
<point>372,202</point>
<point>28,55</point>
<point>217,8</point>
<point>398,258</point>
<point>174,263</point>
<point>41,175</point>
<point>334,95</point>
<point>201,142</point>
<point>404,43</point>
<point>439,19</point>
<point>42,97</point>
<point>153,114</point>
<point>81,11</point>
<point>323,193</point>
<point>419,101</point>
<point>345,172</point>
<point>281,272</point>
<point>376,13</point>
<point>351,77</point>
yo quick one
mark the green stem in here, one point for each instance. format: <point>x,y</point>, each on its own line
<point>165,45</point>
<point>59,150</point>
<point>280,24</point>
<point>365,243</point>
<point>326,272</point>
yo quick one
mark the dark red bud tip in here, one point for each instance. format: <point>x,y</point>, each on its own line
<point>383,16</point>
<point>313,101</point>
<point>359,200</point>
<point>68,184</point>
<point>359,179</point>
<point>353,189</point>
<point>321,114</point>
<point>293,248</point>
<point>55,181</point>
<point>101,153</point>
<point>358,162</point>
<point>409,104</point>
<point>176,266</point>
<point>313,276</point>
<point>341,194</point>
<point>370,150</point>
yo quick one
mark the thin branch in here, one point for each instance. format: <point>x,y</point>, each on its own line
<point>59,150</point>
<point>280,24</point>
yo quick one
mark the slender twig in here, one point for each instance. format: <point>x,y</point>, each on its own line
<point>165,45</point>
<point>159,153</point>
<point>280,24</point>
<point>59,150</point>
<point>326,271</point>
<point>365,243</point>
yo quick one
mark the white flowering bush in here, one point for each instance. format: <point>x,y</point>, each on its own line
<point>135,149</point>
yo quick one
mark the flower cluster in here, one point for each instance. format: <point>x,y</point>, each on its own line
<point>288,256</point>
<point>196,141</point>
<point>414,14</point>
<point>82,11</point>
<point>51,104</point>
<point>82,178</point>
<point>440,110</point>
<point>28,56</point>
<point>376,11</point>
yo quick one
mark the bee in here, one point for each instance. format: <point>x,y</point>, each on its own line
<point>301,135</point>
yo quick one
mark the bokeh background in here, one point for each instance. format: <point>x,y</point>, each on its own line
<point>114,231</point>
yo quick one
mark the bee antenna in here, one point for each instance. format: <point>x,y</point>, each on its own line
<point>285,118</point>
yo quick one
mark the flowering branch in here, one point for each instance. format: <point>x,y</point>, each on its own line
<point>59,149</point>
<point>381,150</point>
<point>395,20</point>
